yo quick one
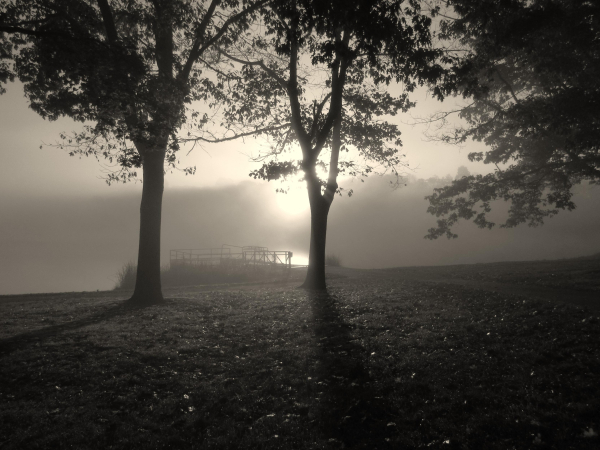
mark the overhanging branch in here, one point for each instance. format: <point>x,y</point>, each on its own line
<point>200,47</point>
<point>237,136</point>
<point>198,36</point>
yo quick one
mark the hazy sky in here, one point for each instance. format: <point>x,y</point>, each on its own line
<point>25,167</point>
<point>63,229</point>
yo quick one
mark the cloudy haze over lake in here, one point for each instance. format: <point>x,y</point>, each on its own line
<point>79,243</point>
<point>63,229</point>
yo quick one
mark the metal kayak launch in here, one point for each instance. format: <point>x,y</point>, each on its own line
<point>232,257</point>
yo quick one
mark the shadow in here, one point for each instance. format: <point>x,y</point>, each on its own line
<point>19,341</point>
<point>351,409</point>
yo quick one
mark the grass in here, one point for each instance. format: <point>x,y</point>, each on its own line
<point>382,361</point>
<point>580,274</point>
<point>126,276</point>
<point>333,260</point>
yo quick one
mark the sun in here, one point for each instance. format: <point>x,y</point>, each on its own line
<point>294,202</point>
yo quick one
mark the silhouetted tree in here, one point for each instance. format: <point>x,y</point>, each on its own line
<point>130,68</point>
<point>531,71</point>
<point>323,66</point>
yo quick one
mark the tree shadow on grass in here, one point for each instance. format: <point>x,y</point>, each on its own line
<point>21,340</point>
<point>352,410</point>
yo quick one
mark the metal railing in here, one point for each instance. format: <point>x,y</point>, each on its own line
<point>247,257</point>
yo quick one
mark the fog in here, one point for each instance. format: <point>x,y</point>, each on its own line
<point>383,228</point>
<point>75,243</point>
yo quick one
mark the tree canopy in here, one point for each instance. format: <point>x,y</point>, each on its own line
<point>129,70</point>
<point>530,71</point>
<point>322,68</point>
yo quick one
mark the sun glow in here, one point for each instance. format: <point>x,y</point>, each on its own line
<point>294,202</point>
<point>299,260</point>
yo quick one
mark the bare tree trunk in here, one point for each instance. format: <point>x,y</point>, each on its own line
<point>319,210</point>
<point>148,288</point>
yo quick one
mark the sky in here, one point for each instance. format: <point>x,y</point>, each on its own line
<point>62,228</point>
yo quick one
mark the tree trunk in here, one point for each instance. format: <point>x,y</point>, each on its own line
<point>148,288</point>
<point>319,210</point>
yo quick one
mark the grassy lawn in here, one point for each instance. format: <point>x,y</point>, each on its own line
<point>383,361</point>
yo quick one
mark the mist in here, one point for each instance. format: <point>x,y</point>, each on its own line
<point>379,227</point>
<point>78,243</point>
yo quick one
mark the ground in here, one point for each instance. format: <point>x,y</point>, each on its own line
<point>493,356</point>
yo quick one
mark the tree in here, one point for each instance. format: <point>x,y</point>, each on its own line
<point>131,68</point>
<point>531,75</point>
<point>323,67</point>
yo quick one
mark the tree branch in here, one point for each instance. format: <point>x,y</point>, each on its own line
<point>231,20</point>
<point>198,38</point>
<point>237,136</point>
<point>508,85</point>
<point>282,19</point>
<point>293,94</point>
<point>163,34</point>
<point>200,47</point>
<point>109,23</point>
<point>16,29</point>
<point>438,116</point>
<point>226,75</point>
<point>338,80</point>
<point>260,64</point>
<point>317,114</point>
<point>82,33</point>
